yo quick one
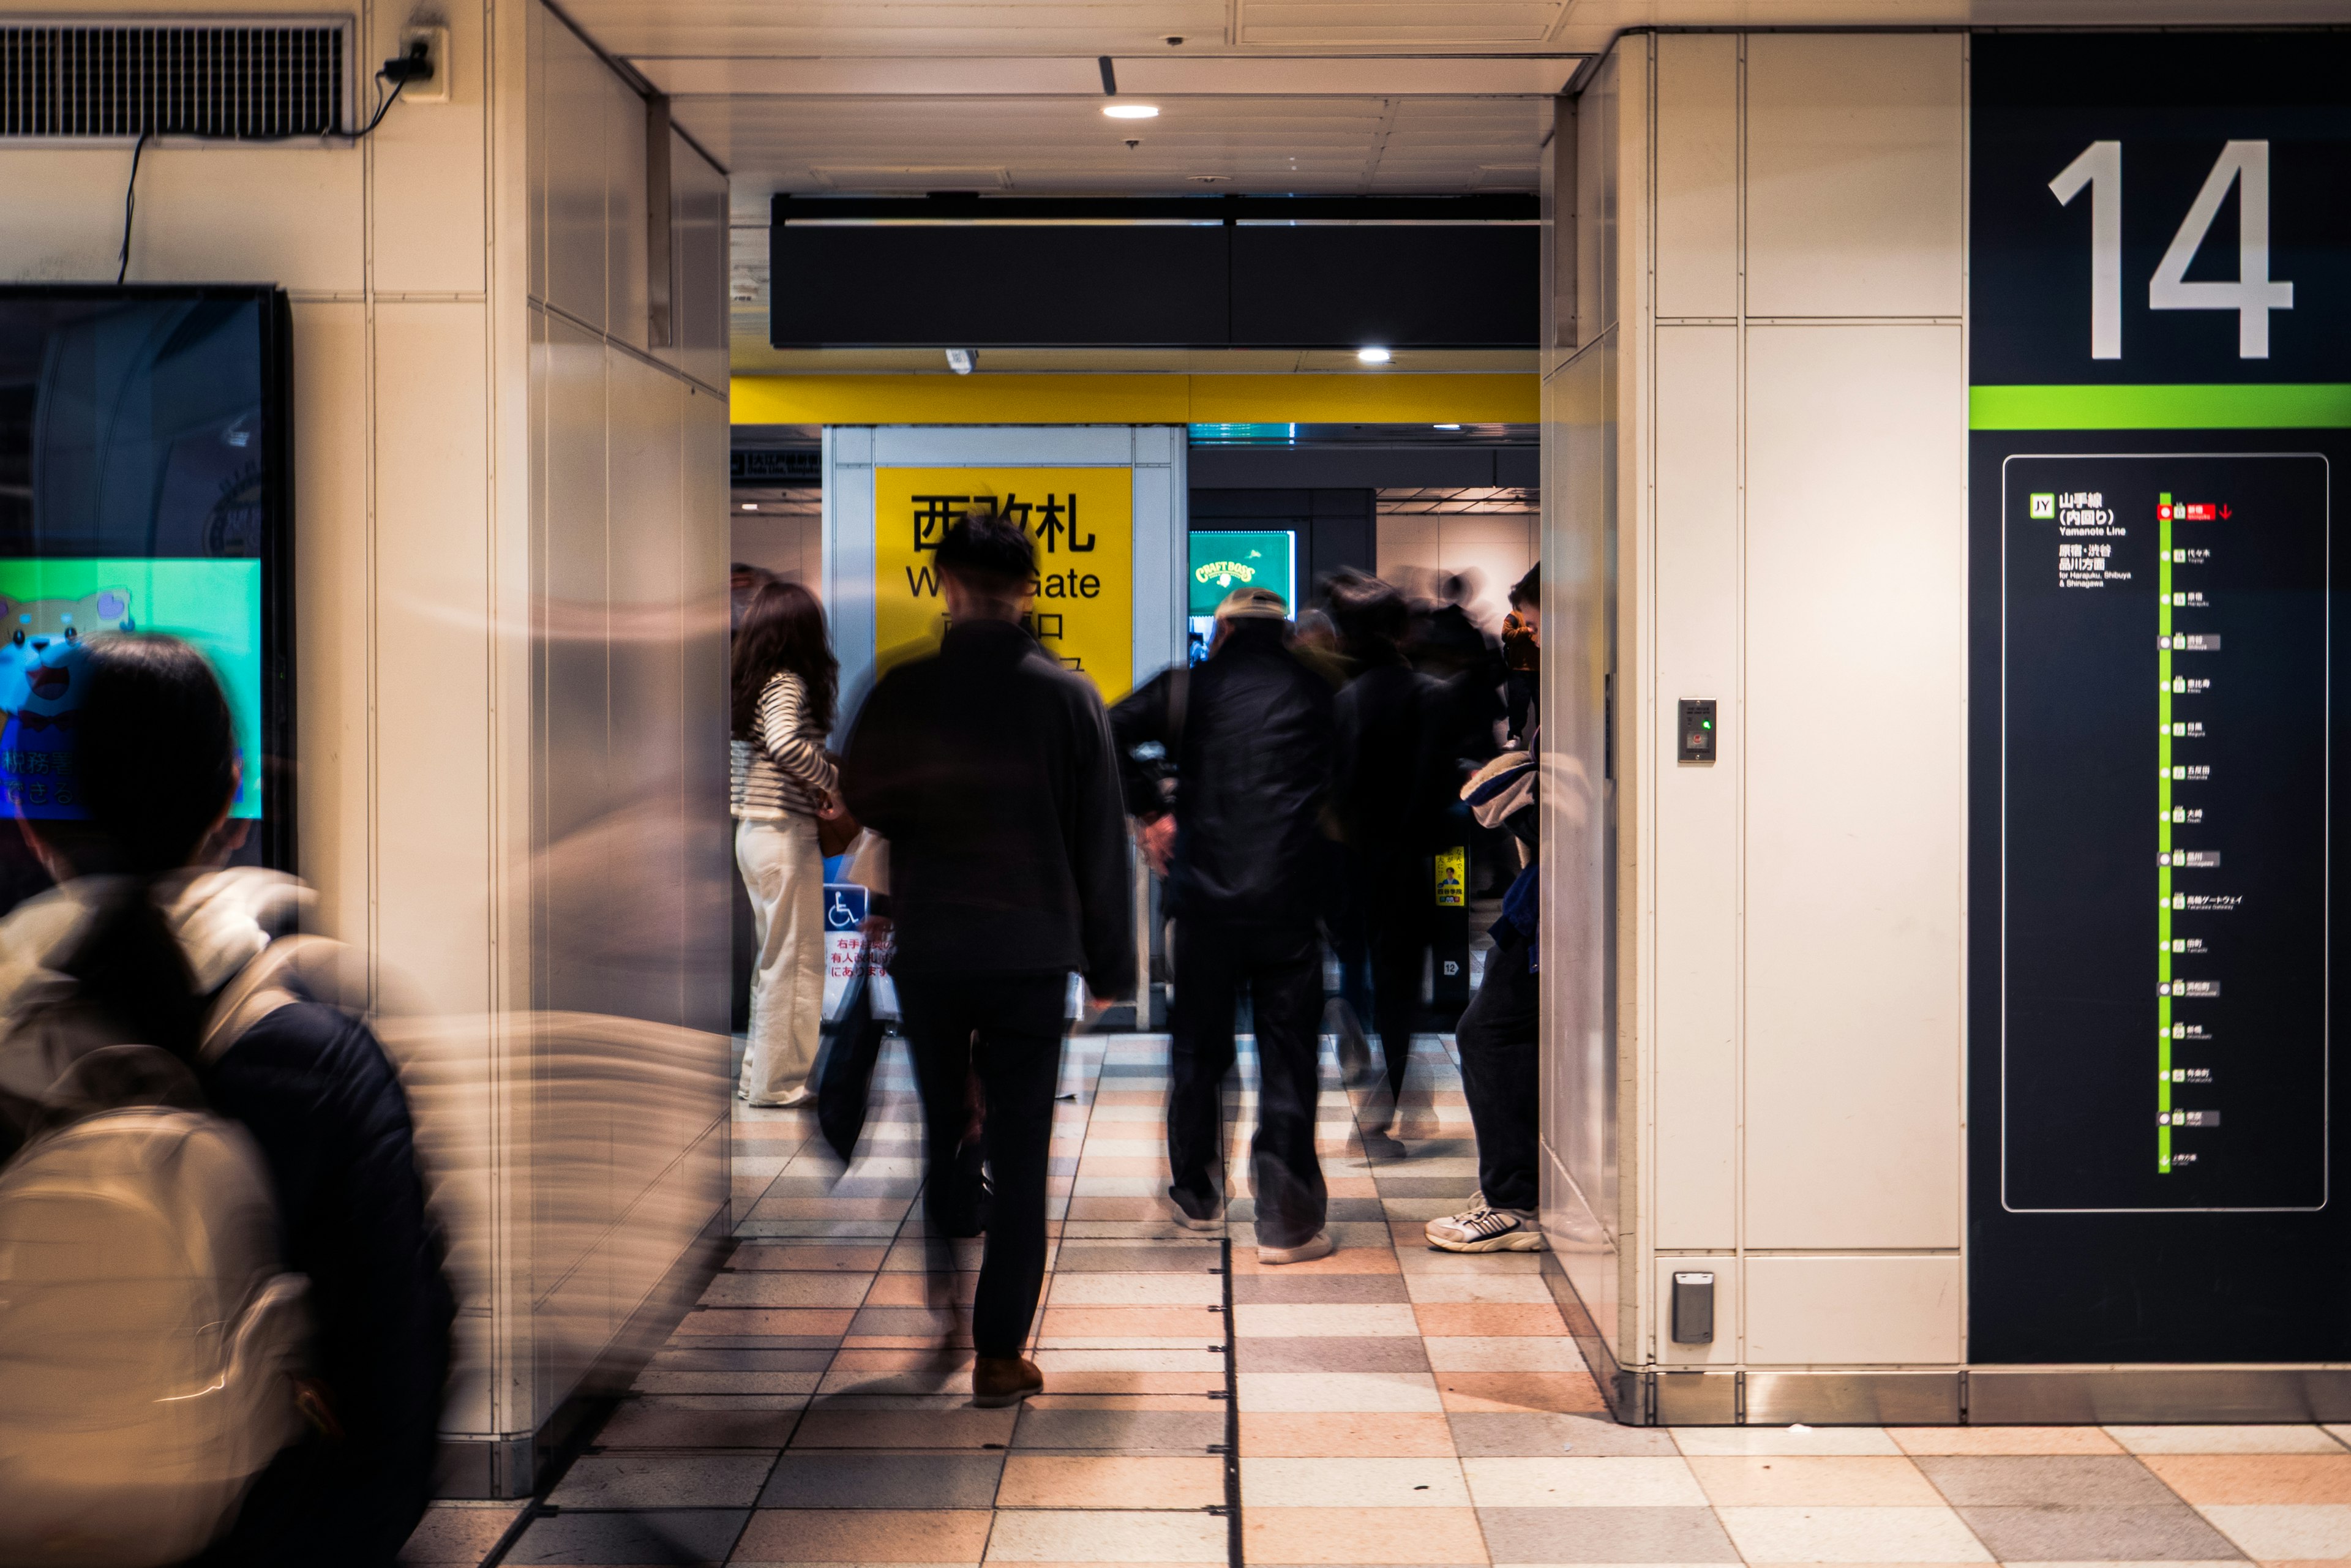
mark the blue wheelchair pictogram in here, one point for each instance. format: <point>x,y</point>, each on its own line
<point>844,906</point>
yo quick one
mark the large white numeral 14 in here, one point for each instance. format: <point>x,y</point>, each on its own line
<point>2253,296</point>
<point>2100,167</point>
<point>2245,164</point>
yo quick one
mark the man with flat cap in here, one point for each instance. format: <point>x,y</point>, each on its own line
<point>1246,739</point>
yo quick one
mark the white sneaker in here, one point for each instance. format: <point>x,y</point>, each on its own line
<point>1482,1229</point>
<point>1318,1245</point>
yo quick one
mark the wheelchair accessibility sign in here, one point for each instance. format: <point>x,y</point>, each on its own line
<point>844,906</point>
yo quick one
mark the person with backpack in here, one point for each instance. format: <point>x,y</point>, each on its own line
<point>147,986</point>
<point>1249,735</point>
<point>988,767</point>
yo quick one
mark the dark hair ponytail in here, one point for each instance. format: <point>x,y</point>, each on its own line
<point>155,750</point>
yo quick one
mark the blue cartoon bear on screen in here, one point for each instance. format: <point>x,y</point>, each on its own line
<point>40,677</point>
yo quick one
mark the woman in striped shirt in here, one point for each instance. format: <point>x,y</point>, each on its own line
<point>781,782</point>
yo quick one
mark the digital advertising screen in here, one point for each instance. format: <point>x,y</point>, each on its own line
<point>142,488</point>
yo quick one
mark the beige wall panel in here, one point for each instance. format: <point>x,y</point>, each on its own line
<point>332,582</point>
<point>624,230</point>
<point>1697,174</point>
<point>431,232</point>
<point>275,215</point>
<point>432,636</point>
<point>1857,578</point>
<point>1696,609</point>
<point>1855,157</point>
<point>575,243</point>
<point>1852,1312</point>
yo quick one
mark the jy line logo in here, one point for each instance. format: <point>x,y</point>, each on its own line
<point>2044,505</point>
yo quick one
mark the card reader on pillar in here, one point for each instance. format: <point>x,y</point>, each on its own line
<point>1695,738</point>
<point>1693,1301</point>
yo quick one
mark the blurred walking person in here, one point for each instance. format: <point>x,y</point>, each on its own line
<point>781,783</point>
<point>1389,796</point>
<point>1249,734</point>
<point>988,767</point>
<point>149,997</point>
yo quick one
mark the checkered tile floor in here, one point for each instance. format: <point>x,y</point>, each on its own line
<point>1396,1405</point>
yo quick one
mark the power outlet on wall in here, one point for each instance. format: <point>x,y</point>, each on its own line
<point>436,88</point>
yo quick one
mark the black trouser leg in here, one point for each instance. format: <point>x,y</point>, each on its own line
<point>1198,1057</point>
<point>1399,932</point>
<point>938,1021</point>
<point>1498,1036</point>
<point>1286,983</point>
<point>1018,1020</point>
<point>1020,1068</point>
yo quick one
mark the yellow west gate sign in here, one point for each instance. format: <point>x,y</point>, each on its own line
<point>1083,520</point>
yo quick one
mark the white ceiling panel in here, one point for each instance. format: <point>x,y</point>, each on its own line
<point>1288,76</point>
<point>1589,24</point>
<point>1044,146</point>
<point>1436,23</point>
<point>948,28</point>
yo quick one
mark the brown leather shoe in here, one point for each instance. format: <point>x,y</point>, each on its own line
<point>1000,1380</point>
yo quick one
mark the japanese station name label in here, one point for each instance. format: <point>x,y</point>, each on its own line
<point>1082,522</point>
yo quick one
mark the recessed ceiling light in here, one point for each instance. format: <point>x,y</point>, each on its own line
<point>1132,110</point>
<point>1373,356</point>
<point>750,505</point>
<point>962,361</point>
<point>1448,427</point>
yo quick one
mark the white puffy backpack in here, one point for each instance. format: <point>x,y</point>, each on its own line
<point>147,1337</point>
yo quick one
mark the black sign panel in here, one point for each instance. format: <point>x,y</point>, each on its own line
<point>2160,325</point>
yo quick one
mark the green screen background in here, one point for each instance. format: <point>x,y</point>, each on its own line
<point>215,604</point>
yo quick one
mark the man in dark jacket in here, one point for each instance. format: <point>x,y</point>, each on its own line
<point>1249,734</point>
<point>1390,796</point>
<point>988,767</point>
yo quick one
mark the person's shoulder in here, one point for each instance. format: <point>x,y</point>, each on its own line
<point>1043,669</point>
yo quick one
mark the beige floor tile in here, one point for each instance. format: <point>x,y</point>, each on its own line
<point>2254,1478</point>
<point>1524,1288</point>
<point>1582,1483</point>
<point>1791,1480</point>
<point>1258,1319</point>
<point>2273,1532</point>
<point>1129,1287</point>
<point>1961,1440</point>
<point>1333,1391</point>
<point>1496,1353</point>
<point>1852,1535</point>
<point>1110,1481</point>
<point>1355,1482</point>
<point>863,1535</point>
<point>1075,1535</point>
<point>2226,1439</point>
<point>1708,1440</point>
<point>1343,1434</point>
<point>1360,1535</point>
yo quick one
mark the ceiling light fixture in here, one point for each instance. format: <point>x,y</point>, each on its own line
<point>1132,110</point>
<point>750,505</point>
<point>1448,427</point>
<point>962,361</point>
<point>1373,356</point>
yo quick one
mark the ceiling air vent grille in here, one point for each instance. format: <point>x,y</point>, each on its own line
<point>238,81</point>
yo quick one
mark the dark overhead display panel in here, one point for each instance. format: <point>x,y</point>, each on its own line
<point>1238,275</point>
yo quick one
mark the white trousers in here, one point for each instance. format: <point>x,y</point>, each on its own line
<point>784,872</point>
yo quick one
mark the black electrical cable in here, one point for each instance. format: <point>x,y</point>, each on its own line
<point>129,205</point>
<point>131,191</point>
